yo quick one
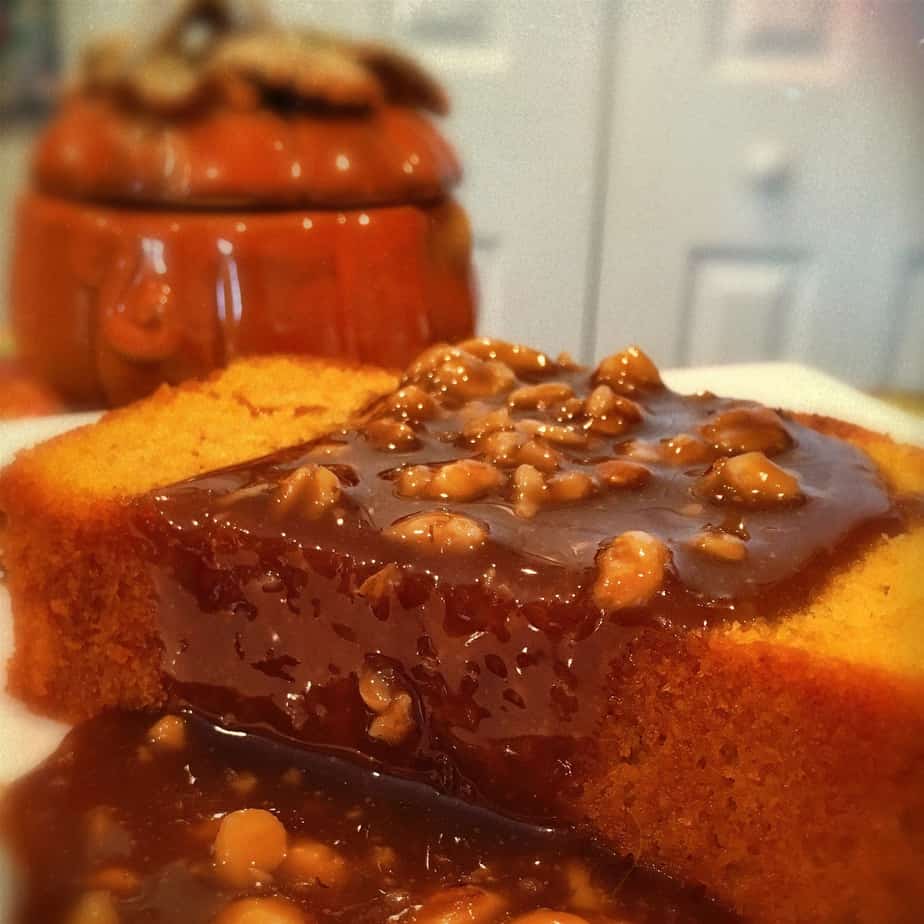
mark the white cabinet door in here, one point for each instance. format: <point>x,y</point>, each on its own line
<point>525,79</point>
<point>766,195</point>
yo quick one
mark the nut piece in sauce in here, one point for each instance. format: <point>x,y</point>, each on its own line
<point>432,358</point>
<point>502,447</point>
<point>485,422</point>
<point>118,879</point>
<point>619,473</point>
<point>96,907</point>
<point>438,530</point>
<point>719,545</point>
<point>539,454</point>
<point>390,435</point>
<point>561,434</point>
<point>396,722</point>
<point>528,491</point>
<point>377,687</point>
<point>461,905</point>
<point>469,377</point>
<point>569,487</point>
<point>249,846</point>
<point>412,403</point>
<point>532,397</point>
<point>311,490</point>
<point>548,916</point>
<point>518,357</point>
<point>610,413</point>
<point>464,480</point>
<point>381,692</point>
<point>168,733</point>
<point>750,478</point>
<point>381,583</point>
<point>627,371</point>
<point>684,449</point>
<point>630,570</point>
<point>263,911</point>
<point>312,862</point>
<point>747,429</point>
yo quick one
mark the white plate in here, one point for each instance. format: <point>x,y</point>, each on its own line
<point>25,739</point>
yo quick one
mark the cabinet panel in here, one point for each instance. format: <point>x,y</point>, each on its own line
<point>906,366</point>
<point>739,305</point>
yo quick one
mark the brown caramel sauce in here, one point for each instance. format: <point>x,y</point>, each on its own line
<point>113,812</point>
<point>505,660</point>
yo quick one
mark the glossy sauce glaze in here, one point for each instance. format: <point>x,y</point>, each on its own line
<point>164,820</point>
<point>418,591</point>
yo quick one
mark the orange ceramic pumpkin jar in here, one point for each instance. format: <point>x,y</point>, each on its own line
<point>234,188</point>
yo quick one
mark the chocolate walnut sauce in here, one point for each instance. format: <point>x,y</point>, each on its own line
<point>450,589</point>
<point>141,822</point>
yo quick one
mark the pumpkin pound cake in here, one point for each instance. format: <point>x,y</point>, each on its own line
<point>76,581</point>
<point>685,624</point>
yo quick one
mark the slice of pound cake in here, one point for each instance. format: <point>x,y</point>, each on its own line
<point>76,582</point>
<point>690,625</point>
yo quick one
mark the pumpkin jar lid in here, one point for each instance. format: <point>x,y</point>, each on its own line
<point>227,109</point>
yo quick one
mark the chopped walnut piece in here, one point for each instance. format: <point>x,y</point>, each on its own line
<point>563,434</point>
<point>311,489</point>
<point>570,486</point>
<point>750,478</point>
<point>309,862</point>
<point>431,359</point>
<point>568,410</point>
<point>502,447</point>
<point>94,907</point>
<point>618,473</point>
<point>464,480</point>
<point>642,451</point>
<point>382,694</point>
<point>168,733</point>
<point>723,546</point>
<point>538,453</point>
<point>250,844</point>
<point>391,435</point>
<point>460,481</point>
<point>547,916</point>
<point>747,429</point>
<point>518,357</point>
<point>630,570</point>
<point>540,396</point>
<point>627,371</point>
<point>469,377</point>
<point>444,532</point>
<point>684,449</point>
<point>610,413</point>
<point>394,724</point>
<point>412,403</point>
<point>414,481</point>
<point>118,879</point>
<point>382,583</point>
<point>377,687</point>
<point>465,904</point>
<point>487,422</point>
<point>528,491</point>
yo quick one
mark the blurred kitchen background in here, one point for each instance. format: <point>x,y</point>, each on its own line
<point>719,180</point>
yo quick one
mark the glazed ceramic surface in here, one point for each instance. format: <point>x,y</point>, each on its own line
<point>108,302</point>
